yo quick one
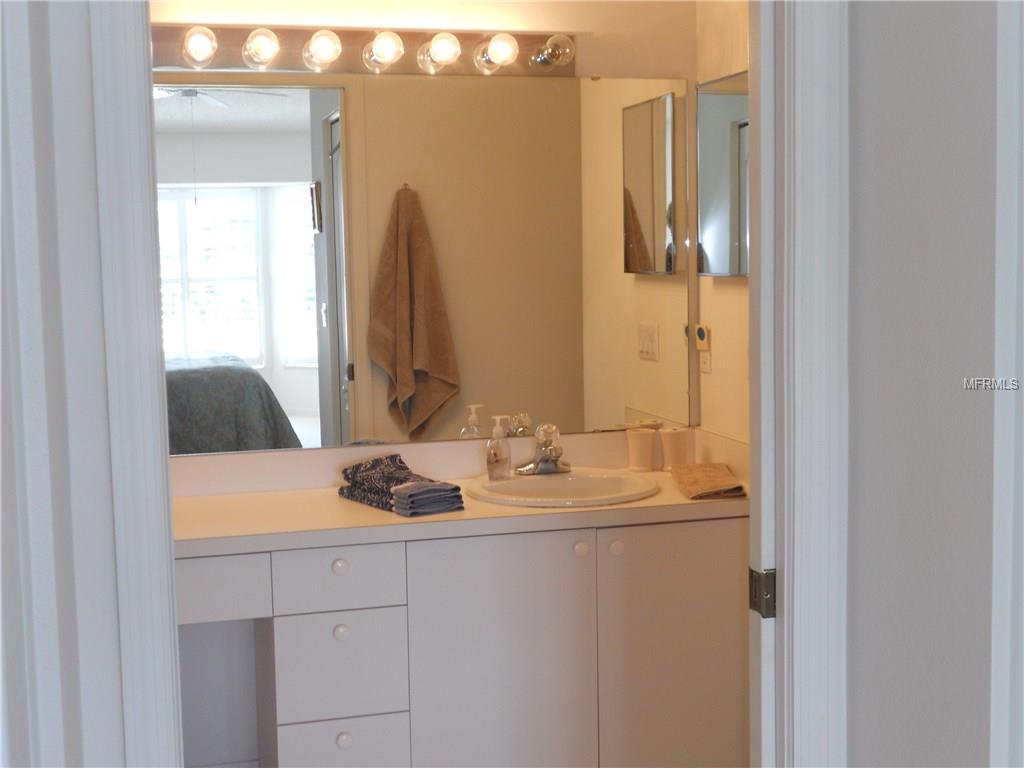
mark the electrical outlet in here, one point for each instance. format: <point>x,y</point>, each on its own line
<point>705,361</point>
<point>703,337</point>
<point>648,342</point>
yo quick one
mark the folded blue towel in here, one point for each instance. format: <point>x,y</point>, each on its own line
<point>429,509</point>
<point>416,490</point>
<point>386,482</point>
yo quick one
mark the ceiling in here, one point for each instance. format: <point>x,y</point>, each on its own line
<point>246,110</point>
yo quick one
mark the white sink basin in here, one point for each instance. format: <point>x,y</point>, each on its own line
<point>579,488</point>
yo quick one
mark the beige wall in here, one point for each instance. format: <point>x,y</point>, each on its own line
<point>722,38</point>
<point>615,303</point>
<point>722,49</point>
<point>497,166</point>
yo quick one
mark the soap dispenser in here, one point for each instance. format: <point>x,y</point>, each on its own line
<point>498,453</point>
<point>472,428</point>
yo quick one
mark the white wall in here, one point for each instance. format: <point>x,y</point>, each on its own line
<point>616,303</point>
<point>922,162</point>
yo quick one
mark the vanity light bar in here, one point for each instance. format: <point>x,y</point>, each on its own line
<point>298,49</point>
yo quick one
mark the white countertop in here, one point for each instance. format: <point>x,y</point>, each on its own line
<point>318,517</point>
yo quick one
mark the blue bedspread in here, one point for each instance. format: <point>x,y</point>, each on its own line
<point>217,404</point>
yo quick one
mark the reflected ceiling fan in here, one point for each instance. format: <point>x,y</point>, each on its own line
<point>204,94</point>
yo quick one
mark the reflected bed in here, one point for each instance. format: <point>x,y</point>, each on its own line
<point>220,403</point>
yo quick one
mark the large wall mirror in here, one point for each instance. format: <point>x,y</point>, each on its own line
<point>305,221</point>
<point>723,195</point>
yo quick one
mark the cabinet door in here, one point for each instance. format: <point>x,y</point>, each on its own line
<point>672,639</point>
<point>502,649</point>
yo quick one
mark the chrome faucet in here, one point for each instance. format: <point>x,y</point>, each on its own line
<point>547,458</point>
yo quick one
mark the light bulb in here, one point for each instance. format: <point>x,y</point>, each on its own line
<point>500,51</point>
<point>260,48</point>
<point>322,49</point>
<point>559,51</point>
<point>445,48</point>
<point>383,51</point>
<point>440,51</point>
<point>503,49</point>
<point>199,46</point>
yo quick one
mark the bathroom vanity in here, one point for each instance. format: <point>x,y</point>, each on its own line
<point>493,636</point>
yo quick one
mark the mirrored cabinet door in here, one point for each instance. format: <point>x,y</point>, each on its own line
<point>723,197</point>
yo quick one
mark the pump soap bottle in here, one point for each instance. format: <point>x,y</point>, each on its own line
<point>472,428</point>
<point>498,453</point>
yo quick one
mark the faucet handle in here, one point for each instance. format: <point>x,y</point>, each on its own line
<point>547,434</point>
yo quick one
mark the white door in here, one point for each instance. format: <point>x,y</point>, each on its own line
<point>763,375</point>
<point>326,196</point>
<point>672,644</point>
<point>502,650</point>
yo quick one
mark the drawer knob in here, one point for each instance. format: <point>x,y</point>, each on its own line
<point>344,740</point>
<point>581,548</point>
<point>340,566</point>
<point>616,547</point>
<point>340,631</point>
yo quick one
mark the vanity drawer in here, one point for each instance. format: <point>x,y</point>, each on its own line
<point>339,578</point>
<point>222,588</point>
<point>382,740</point>
<point>342,664</point>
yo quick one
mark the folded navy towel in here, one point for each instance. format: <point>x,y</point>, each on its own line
<point>386,482</point>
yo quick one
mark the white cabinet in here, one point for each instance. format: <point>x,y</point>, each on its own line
<point>672,639</point>
<point>341,664</point>
<point>361,742</point>
<point>339,578</point>
<point>491,650</point>
<point>222,588</point>
<point>502,648</point>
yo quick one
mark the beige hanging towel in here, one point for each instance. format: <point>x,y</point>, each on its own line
<point>409,334</point>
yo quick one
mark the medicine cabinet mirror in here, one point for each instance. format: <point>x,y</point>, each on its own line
<point>649,210</point>
<point>723,195</point>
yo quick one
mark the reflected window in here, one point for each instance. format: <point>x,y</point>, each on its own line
<point>237,273</point>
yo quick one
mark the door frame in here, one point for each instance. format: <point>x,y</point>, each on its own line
<point>799,337</point>
<point>90,654</point>
<point>1006,724</point>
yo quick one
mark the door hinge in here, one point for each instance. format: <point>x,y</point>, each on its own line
<point>762,592</point>
<point>350,372</point>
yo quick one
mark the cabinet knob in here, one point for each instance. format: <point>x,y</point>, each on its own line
<point>581,548</point>
<point>343,740</point>
<point>340,632</point>
<point>340,566</point>
<point>616,547</point>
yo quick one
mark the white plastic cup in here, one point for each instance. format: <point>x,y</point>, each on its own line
<point>673,446</point>
<point>641,448</point>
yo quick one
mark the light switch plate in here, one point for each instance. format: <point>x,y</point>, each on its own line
<point>648,342</point>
